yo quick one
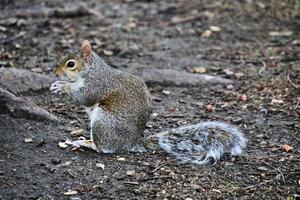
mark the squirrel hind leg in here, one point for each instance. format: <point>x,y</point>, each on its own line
<point>85,143</point>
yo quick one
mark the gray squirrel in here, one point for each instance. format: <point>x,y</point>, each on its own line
<point>119,106</point>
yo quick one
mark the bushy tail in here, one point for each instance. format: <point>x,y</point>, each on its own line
<point>203,143</point>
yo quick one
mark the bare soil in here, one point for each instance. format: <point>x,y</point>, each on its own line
<point>257,45</point>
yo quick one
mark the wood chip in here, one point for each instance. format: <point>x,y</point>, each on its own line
<point>108,52</point>
<point>199,70</point>
<point>166,92</point>
<point>130,172</point>
<point>77,132</point>
<point>69,193</point>
<point>280,33</point>
<point>215,28</point>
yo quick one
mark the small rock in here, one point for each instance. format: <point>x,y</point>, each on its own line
<point>100,166</point>
<point>28,140</point>
<point>238,75</point>
<point>36,70</point>
<point>260,135</point>
<point>154,114</point>
<point>206,34</point>
<point>166,92</point>
<point>229,87</point>
<point>130,172</point>
<point>228,72</point>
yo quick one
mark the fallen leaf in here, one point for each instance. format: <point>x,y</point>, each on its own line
<point>286,148</point>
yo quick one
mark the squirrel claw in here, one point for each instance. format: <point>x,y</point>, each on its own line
<point>59,87</point>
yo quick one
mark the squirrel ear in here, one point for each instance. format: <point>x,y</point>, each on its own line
<point>86,50</point>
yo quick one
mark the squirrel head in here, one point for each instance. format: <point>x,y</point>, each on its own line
<point>71,65</point>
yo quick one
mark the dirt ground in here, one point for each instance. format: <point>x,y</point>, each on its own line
<point>253,43</point>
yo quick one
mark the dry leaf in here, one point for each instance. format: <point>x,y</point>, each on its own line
<point>286,147</point>
<point>209,108</point>
<point>244,98</point>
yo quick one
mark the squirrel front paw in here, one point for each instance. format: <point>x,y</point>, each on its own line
<point>59,87</point>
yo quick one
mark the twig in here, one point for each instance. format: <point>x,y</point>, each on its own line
<point>296,138</point>
<point>277,169</point>
<point>132,183</point>
<point>182,20</point>
<point>21,107</point>
<point>258,184</point>
<point>155,178</point>
<point>161,165</point>
<point>291,82</point>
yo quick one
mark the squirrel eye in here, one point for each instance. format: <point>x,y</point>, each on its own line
<point>70,63</point>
